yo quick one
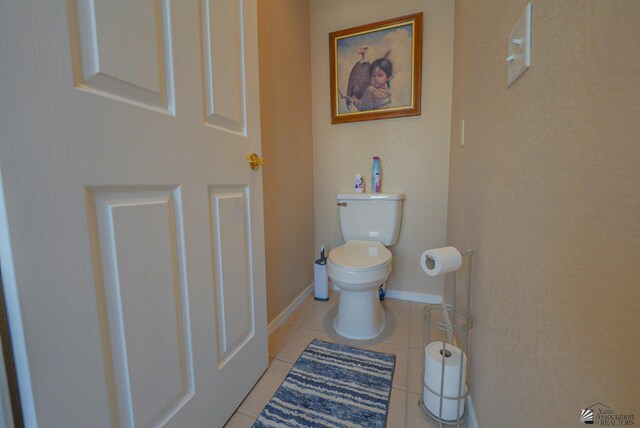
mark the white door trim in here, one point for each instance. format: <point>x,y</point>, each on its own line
<point>14,317</point>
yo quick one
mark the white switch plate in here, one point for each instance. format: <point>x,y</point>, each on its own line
<point>519,50</point>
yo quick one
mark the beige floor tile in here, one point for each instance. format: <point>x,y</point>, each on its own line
<point>298,342</point>
<point>416,310</point>
<point>415,418</point>
<point>265,388</point>
<point>415,361</point>
<point>310,306</point>
<point>279,337</point>
<point>397,417</point>
<point>415,334</point>
<point>301,313</point>
<point>238,420</point>
<point>396,331</point>
<point>397,308</point>
<point>321,317</point>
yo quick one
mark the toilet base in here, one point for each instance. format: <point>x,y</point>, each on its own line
<point>360,314</point>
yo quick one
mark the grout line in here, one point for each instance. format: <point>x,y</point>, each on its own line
<point>406,406</point>
<point>406,401</point>
<point>295,329</point>
<point>246,413</point>
<point>275,357</point>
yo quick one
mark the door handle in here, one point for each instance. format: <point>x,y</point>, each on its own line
<point>256,161</point>
<point>341,204</point>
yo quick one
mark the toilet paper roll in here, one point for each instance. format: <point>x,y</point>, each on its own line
<point>452,380</point>
<point>440,260</point>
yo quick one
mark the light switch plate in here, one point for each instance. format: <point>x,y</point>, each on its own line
<point>519,50</point>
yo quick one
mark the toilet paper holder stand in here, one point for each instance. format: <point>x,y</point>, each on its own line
<point>452,325</point>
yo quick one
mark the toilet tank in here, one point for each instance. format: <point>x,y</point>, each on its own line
<point>370,216</point>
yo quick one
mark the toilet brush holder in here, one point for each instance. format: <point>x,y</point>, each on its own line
<point>320,280</point>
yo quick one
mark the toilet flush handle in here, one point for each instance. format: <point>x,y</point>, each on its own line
<point>341,204</point>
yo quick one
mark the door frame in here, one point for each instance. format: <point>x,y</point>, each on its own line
<point>11,384</point>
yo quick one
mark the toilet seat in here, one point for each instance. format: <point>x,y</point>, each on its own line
<point>359,256</point>
<point>359,265</point>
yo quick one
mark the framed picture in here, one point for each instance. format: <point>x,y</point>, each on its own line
<point>376,69</point>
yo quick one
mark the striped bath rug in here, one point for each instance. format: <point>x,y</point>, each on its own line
<point>332,385</point>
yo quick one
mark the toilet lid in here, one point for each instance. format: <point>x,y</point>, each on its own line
<point>360,255</point>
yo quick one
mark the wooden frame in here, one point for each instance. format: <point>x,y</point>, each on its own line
<point>361,88</point>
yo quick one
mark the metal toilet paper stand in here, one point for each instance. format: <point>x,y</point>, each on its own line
<point>450,325</point>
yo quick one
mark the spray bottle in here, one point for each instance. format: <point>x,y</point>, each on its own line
<point>376,176</point>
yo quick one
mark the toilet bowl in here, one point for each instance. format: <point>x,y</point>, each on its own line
<point>358,268</point>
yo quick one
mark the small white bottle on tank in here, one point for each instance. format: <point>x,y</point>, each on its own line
<point>358,184</point>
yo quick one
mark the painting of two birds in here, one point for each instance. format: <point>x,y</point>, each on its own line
<point>376,70</point>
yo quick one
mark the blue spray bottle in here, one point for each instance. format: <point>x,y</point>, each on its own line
<point>376,176</point>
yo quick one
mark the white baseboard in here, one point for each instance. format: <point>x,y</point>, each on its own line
<point>286,313</point>
<point>472,422</point>
<point>407,295</point>
<point>415,297</point>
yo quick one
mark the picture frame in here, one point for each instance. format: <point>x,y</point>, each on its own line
<point>376,70</point>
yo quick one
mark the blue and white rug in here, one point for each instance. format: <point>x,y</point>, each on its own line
<point>332,385</point>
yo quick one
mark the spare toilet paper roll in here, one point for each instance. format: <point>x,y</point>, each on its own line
<point>452,380</point>
<point>440,260</point>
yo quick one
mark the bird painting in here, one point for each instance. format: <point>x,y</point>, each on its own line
<point>375,70</point>
<point>359,77</point>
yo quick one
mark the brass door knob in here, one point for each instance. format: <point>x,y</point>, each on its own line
<point>256,161</point>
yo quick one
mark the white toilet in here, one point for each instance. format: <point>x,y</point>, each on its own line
<point>369,222</point>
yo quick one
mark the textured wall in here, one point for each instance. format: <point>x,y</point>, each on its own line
<point>414,150</point>
<point>285,108</point>
<point>546,190</point>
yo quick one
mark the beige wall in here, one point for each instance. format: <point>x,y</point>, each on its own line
<point>546,191</point>
<point>414,150</point>
<point>285,106</point>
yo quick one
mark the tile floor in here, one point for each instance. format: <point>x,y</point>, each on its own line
<point>402,336</point>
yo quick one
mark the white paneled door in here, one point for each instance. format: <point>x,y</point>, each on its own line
<point>131,225</point>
